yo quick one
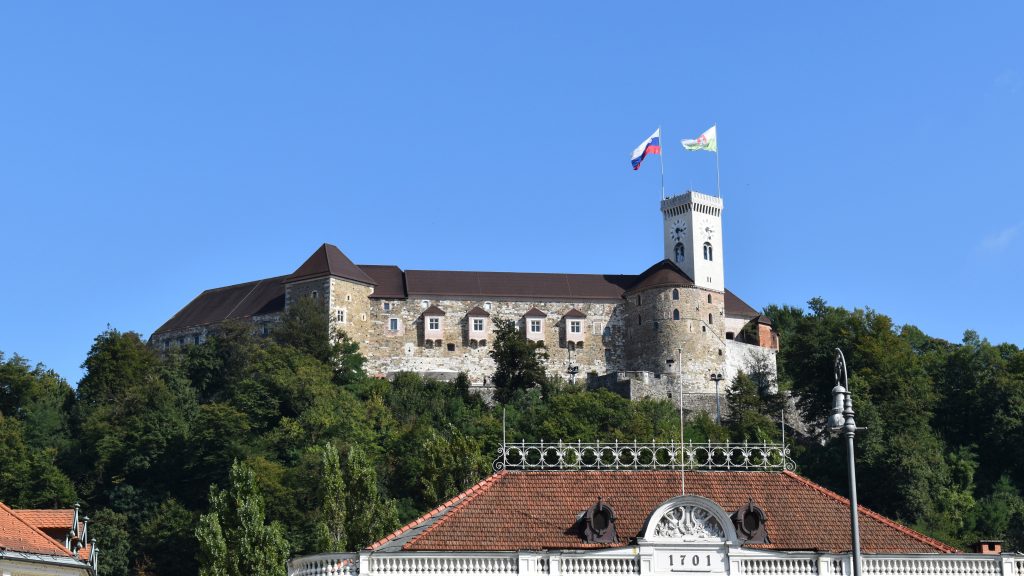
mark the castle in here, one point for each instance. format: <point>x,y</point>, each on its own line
<point>637,334</point>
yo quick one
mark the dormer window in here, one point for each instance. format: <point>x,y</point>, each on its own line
<point>598,524</point>
<point>434,323</point>
<point>536,327</point>
<point>533,322</point>
<point>478,325</point>
<point>433,329</point>
<point>575,326</point>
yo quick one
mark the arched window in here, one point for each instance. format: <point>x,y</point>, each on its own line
<point>680,252</point>
<point>708,255</point>
<point>675,293</point>
<point>675,314</point>
<point>709,319</point>
<point>709,298</point>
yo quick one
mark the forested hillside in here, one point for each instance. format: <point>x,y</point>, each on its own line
<point>285,440</point>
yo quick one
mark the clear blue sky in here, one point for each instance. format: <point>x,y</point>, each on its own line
<point>870,155</point>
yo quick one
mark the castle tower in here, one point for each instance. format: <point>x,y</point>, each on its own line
<point>693,237</point>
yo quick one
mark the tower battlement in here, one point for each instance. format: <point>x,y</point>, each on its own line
<point>691,200</point>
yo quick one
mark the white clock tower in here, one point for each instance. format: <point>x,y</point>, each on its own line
<point>693,237</point>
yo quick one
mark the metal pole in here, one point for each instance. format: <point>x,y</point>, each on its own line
<point>854,525</point>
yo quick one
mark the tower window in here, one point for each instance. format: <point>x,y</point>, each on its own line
<point>709,298</point>
<point>387,306</point>
<point>393,324</point>
<point>314,295</point>
<point>680,253</point>
<point>709,319</point>
<point>340,315</point>
<point>639,320</point>
<point>708,252</point>
<point>637,299</point>
<point>675,293</point>
<point>675,314</point>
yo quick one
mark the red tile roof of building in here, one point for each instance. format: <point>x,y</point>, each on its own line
<point>517,510</point>
<point>54,523</point>
<point>19,535</point>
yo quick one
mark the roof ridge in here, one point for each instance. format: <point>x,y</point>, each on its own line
<point>429,514</point>
<point>468,496</point>
<point>37,531</point>
<point>941,546</point>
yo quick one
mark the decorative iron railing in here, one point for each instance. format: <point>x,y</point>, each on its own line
<point>642,456</point>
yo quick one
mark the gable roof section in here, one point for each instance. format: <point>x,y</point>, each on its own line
<point>433,311</point>
<point>574,313</point>
<point>390,280</point>
<point>736,307</point>
<point>55,524</point>
<point>478,312</point>
<point>16,534</point>
<point>227,303</point>
<point>517,510</point>
<point>328,260</point>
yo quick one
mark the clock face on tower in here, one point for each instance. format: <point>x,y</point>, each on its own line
<point>677,229</point>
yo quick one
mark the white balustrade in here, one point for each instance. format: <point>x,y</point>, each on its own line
<point>581,566</point>
<point>413,565</point>
<point>779,566</point>
<point>325,565</point>
<point>939,565</point>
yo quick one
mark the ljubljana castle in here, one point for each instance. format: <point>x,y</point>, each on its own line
<point>639,334</point>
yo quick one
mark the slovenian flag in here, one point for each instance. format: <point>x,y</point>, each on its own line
<point>650,146</point>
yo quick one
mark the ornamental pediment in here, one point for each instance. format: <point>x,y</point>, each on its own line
<point>689,519</point>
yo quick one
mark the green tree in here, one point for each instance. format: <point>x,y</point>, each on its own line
<point>519,363</point>
<point>234,538</point>
<point>329,530</point>
<point>371,514</point>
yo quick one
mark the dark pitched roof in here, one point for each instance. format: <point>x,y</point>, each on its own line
<point>478,311</point>
<point>433,311</point>
<point>329,261</point>
<point>516,510</point>
<point>389,279</point>
<point>664,273</point>
<point>519,285</point>
<point>762,319</point>
<point>227,303</point>
<point>534,313</point>
<point>736,307</point>
<point>574,313</point>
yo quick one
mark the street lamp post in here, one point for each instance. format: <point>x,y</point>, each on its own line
<point>717,377</point>
<point>842,420</point>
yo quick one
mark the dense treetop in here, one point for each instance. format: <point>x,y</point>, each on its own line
<point>184,459</point>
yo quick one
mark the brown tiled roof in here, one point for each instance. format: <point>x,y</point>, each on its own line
<point>534,313</point>
<point>389,279</point>
<point>433,311</point>
<point>516,285</point>
<point>736,307</point>
<point>328,260</point>
<point>762,319</point>
<point>16,534</point>
<point>664,273</point>
<point>478,311</point>
<point>515,510</point>
<point>574,313</point>
<point>54,523</point>
<point>230,302</point>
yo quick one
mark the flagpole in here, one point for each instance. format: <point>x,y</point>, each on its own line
<point>661,159</point>
<point>718,174</point>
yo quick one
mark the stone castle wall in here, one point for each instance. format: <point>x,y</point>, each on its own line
<point>405,349</point>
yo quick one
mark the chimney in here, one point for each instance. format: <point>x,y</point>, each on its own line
<point>994,547</point>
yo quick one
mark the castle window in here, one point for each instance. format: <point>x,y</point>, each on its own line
<point>637,299</point>
<point>719,351</point>
<point>437,343</point>
<point>478,324</point>
<point>675,293</point>
<point>708,252</point>
<point>675,314</point>
<point>341,316</point>
<point>639,320</point>
<point>703,328</point>
<point>393,324</point>
<point>709,298</point>
<point>314,295</point>
<point>709,319</point>
<point>487,306</point>
<point>570,345</point>
<point>656,326</point>
<point>575,326</point>
<point>579,345</point>
<point>348,297</point>
<point>730,335</point>
<point>362,317</point>
<point>264,330</point>
<point>195,339</point>
<point>535,326</point>
<point>434,323</point>
<point>424,303</point>
<point>451,347</point>
<point>387,306</point>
